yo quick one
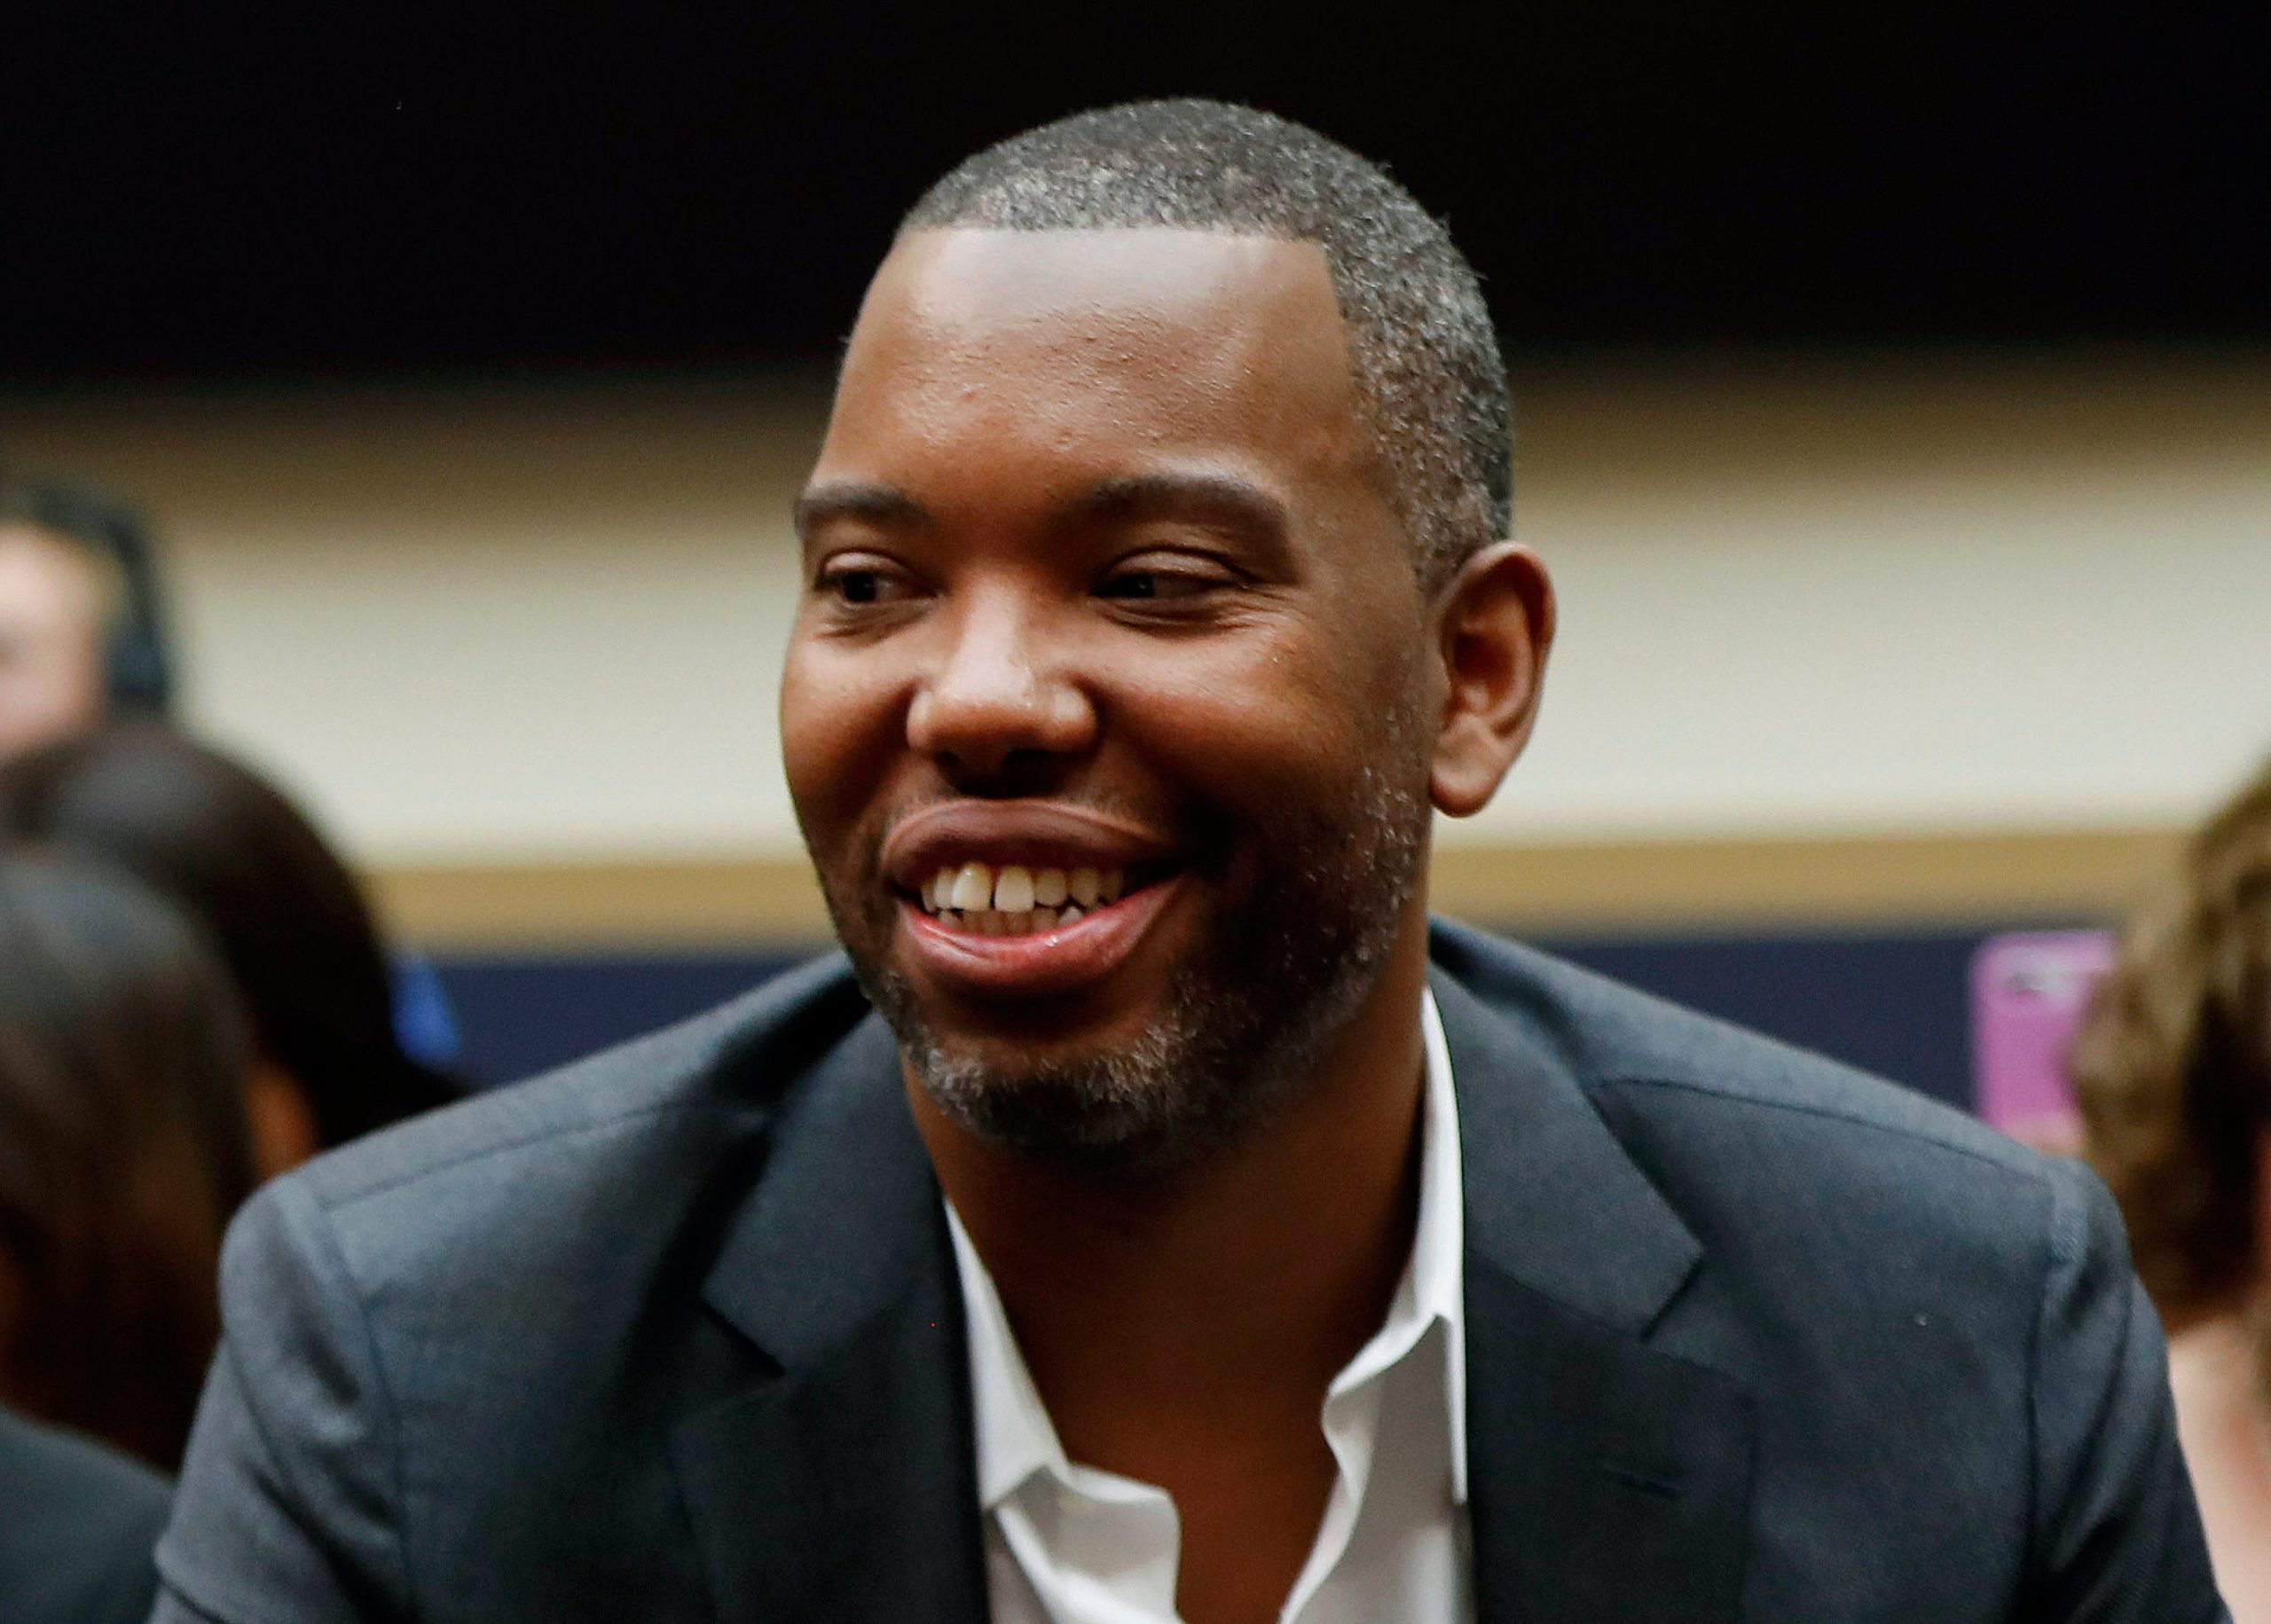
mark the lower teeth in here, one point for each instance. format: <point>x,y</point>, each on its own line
<point>990,922</point>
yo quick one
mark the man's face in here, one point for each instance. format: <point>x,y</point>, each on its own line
<point>53,673</point>
<point>1107,714</point>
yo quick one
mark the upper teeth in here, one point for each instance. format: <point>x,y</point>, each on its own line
<point>1014,889</point>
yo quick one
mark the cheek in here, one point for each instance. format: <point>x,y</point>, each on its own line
<point>840,727</point>
<point>1277,725</point>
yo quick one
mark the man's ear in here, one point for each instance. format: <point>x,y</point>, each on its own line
<point>1495,627</point>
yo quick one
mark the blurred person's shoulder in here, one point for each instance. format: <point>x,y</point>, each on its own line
<point>79,1525</point>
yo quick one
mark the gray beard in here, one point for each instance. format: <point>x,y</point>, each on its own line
<point>1244,1023</point>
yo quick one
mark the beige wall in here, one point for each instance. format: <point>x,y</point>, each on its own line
<point>1919,595</point>
<point>1952,598</point>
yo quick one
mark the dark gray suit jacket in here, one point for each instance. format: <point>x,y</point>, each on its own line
<point>676,1335</point>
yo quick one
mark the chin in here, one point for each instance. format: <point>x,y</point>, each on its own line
<point>1206,1066</point>
<point>1116,1109</point>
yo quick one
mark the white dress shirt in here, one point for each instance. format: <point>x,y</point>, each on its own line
<point>1070,1544</point>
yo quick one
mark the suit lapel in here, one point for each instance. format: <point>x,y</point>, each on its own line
<point>836,1480</point>
<point>1608,1481</point>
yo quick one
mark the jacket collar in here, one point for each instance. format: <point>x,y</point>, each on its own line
<point>1608,1479</point>
<point>1553,1201</point>
<point>846,1214</point>
<point>836,1480</point>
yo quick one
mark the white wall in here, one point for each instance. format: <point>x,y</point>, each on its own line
<point>507,624</point>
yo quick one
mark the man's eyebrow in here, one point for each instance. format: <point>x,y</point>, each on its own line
<point>1136,496</point>
<point>1122,497</point>
<point>854,499</point>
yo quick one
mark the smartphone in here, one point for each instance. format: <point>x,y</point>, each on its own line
<point>2029,990</point>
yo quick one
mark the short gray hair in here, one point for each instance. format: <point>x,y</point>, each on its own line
<point>1429,379</point>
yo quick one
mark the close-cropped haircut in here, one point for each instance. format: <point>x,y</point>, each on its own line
<point>2173,1065</point>
<point>1429,379</point>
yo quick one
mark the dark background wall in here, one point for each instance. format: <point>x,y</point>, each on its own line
<point>327,191</point>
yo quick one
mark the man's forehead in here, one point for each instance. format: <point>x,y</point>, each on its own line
<point>1016,362</point>
<point>974,283</point>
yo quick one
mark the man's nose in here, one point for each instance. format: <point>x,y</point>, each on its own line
<point>1001,696</point>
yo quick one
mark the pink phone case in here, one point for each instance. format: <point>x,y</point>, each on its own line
<point>2029,992</point>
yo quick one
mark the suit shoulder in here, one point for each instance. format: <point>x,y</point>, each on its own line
<point>531,1219</point>
<point>738,1055</point>
<point>521,1181</point>
<point>1640,1057</point>
<point>1834,1196</point>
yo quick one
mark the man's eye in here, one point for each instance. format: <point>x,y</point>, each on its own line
<point>857,585</point>
<point>1158,585</point>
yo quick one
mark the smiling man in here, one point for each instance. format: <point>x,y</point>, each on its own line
<point>1149,1215</point>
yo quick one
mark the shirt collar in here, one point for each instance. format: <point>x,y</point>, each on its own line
<point>1439,1242</point>
<point>1015,1437</point>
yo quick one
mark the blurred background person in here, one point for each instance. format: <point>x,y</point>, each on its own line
<point>81,633</point>
<point>2174,1073</point>
<point>291,923</point>
<point>123,1150</point>
<point>81,1522</point>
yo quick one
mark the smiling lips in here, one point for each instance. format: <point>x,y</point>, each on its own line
<point>1015,898</point>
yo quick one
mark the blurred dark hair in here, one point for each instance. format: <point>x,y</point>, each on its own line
<point>140,666</point>
<point>228,849</point>
<point>2173,1064</point>
<point>123,1150</point>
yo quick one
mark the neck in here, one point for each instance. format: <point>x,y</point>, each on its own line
<point>1226,1294</point>
<point>2217,1370</point>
